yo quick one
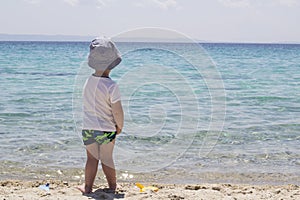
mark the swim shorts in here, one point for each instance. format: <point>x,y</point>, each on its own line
<point>101,137</point>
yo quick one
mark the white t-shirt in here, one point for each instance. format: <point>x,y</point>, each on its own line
<point>99,93</point>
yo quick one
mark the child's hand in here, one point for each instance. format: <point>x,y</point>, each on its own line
<point>118,130</point>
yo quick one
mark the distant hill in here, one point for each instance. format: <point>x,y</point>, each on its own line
<point>22,37</point>
<point>78,38</point>
<point>19,37</point>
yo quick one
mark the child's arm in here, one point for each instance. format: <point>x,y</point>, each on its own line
<point>118,115</point>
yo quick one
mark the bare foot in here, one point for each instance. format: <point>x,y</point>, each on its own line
<point>84,189</point>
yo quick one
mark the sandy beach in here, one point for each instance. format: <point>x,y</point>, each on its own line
<point>23,183</point>
<point>14,189</point>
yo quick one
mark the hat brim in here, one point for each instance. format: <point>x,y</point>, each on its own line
<point>114,63</point>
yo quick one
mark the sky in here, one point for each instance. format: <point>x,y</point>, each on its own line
<point>205,20</point>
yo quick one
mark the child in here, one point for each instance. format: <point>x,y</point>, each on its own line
<point>103,115</point>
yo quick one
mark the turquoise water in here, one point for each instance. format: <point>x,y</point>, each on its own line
<point>168,108</point>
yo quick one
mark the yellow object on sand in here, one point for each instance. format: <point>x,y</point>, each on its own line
<point>143,188</point>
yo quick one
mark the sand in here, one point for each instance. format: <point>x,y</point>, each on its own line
<point>14,190</point>
<point>23,183</point>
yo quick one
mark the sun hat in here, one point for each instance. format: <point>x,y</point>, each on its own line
<point>103,54</point>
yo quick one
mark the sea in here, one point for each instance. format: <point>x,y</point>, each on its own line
<point>193,111</point>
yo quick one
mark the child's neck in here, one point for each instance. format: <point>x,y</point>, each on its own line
<point>102,74</point>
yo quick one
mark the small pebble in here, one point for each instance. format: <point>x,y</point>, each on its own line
<point>216,188</point>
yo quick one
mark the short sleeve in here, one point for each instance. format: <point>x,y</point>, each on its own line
<point>115,93</point>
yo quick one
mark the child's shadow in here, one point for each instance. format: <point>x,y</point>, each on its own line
<point>101,194</point>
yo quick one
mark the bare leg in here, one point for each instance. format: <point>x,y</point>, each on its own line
<point>108,167</point>
<point>110,174</point>
<point>91,168</point>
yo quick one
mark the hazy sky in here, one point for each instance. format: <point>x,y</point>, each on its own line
<point>211,20</point>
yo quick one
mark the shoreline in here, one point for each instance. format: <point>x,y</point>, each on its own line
<point>14,171</point>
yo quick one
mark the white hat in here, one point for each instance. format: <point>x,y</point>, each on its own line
<point>103,54</point>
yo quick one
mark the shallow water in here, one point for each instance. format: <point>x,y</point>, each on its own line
<point>169,106</point>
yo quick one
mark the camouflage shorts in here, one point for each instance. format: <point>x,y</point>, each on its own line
<point>101,137</point>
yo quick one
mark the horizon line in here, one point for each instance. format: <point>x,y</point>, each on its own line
<point>87,38</point>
